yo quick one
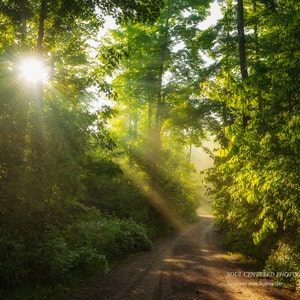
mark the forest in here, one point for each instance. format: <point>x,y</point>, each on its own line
<point>97,133</point>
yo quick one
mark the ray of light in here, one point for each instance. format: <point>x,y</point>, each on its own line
<point>156,197</point>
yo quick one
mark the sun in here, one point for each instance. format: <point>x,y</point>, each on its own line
<point>33,70</point>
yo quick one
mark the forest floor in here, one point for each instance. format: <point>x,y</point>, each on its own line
<point>190,265</point>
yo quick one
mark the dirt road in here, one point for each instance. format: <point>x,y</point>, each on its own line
<point>190,265</point>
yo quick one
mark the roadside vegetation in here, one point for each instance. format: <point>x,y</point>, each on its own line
<point>96,141</point>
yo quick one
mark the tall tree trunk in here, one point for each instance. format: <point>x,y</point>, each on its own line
<point>39,137</point>
<point>257,58</point>
<point>39,45</point>
<point>42,18</point>
<point>242,49</point>
<point>149,114</point>
<point>241,36</point>
<point>160,99</point>
<point>133,132</point>
<point>23,20</point>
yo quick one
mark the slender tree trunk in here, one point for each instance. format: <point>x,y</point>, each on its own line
<point>39,45</point>
<point>159,109</point>
<point>257,58</point>
<point>39,136</point>
<point>241,36</point>
<point>227,67</point>
<point>133,132</point>
<point>135,120</point>
<point>242,49</point>
<point>41,32</point>
<point>149,114</point>
<point>23,5</point>
<point>160,98</point>
<point>190,152</point>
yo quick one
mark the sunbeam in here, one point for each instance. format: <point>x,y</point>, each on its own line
<point>156,197</point>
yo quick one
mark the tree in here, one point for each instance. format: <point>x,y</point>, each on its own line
<point>164,75</point>
<point>156,87</point>
<point>242,47</point>
<point>256,166</point>
<point>50,140</point>
<point>58,33</point>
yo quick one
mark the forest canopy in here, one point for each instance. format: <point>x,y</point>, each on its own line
<point>82,186</point>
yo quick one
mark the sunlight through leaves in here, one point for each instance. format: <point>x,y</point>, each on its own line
<point>33,70</point>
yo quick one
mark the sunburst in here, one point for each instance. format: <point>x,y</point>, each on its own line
<point>33,70</point>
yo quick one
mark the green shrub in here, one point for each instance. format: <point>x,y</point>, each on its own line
<point>87,260</point>
<point>135,235</point>
<point>51,261</point>
<point>112,237</point>
<point>51,247</point>
<point>12,267</point>
<point>285,259</point>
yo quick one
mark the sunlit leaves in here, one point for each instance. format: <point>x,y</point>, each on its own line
<point>257,174</point>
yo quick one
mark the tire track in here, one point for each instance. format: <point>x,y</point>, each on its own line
<point>188,266</point>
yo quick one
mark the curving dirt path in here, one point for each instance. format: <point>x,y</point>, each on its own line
<point>190,265</point>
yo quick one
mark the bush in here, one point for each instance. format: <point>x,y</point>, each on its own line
<point>12,267</point>
<point>285,259</point>
<point>112,237</point>
<point>87,260</point>
<point>58,243</point>
<point>51,261</point>
<point>134,236</point>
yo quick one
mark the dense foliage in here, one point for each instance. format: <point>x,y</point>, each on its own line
<point>83,184</point>
<point>156,89</point>
<point>256,175</point>
<point>70,204</point>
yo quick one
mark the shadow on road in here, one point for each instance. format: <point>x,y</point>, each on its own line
<point>191,265</point>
